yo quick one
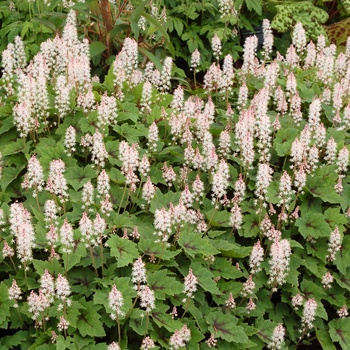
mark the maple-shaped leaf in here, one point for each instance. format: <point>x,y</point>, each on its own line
<point>164,285</point>
<point>124,250</point>
<point>283,141</point>
<point>224,326</point>
<point>193,244</point>
<point>313,224</point>
<point>77,176</point>
<point>89,323</point>
<point>321,184</point>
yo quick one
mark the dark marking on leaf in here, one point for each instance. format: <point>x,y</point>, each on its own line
<point>340,333</point>
<point>221,327</point>
<point>188,246</point>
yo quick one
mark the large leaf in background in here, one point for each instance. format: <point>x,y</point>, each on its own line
<point>18,340</point>
<point>218,218</point>
<point>224,326</point>
<point>10,174</point>
<point>159,26</point>
<point>322,335</point>
<point>223,267</point>
<point>148,246</point>
<point>313,225</point>
<point>334,218</point>
<point>96,48</point>
<point>19,146</point>
<point>339,330</point>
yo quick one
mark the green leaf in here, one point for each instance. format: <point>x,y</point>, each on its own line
<point>323,337</point>
<point>135,17</point>
<point>231,249</point>
<point>322,183</point>
<point>218,218</point>
<point>224,326</point>
<point>89,323</point>
<point>53,266</point>
<point>16,147</point>
<point>223,267</point>
<point>311,289</point>
<point>10,174</point>
<point>148,247</point>
<point>48,24</point>
<point>313,225</point>
<point>77,176</point>
<point>205,278</point>
<point>5,305</point>
<point>124,250</point>
<point>193,244</point>
<point>96,48</point>
<point>342,260</point>
<point>19,340</point>
<point>339,330</point>
<point>6,125</point>
<point>164,285</point>
<point>334,218</point>
<point>254,5</point>
<point>161,316</point>
<point>160,27</point>
<point>250,227</point>
<point>283,140</point>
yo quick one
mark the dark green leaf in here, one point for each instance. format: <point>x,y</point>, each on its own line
<point>194,244</point>
<point>164,285</point>
<point>89,323</point>
<point>78,176</point>
<point>205,278</point>
<point>224,326</point>
<point>339,331</point>
<point>322,183</point>
<point>96,48</point>
<point>313,225</point>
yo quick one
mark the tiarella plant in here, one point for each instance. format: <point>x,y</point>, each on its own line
<point>139,215</point>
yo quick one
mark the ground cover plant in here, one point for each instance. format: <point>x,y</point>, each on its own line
<point>136,214</point>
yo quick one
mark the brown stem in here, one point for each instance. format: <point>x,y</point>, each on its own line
<point>106,14</point>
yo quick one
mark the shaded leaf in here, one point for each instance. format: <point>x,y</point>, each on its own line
<point>96,48</point>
